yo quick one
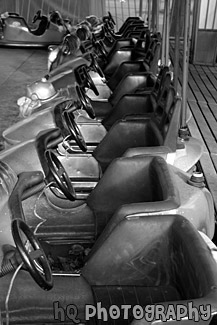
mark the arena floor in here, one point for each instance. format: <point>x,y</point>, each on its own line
<point>19,67</point>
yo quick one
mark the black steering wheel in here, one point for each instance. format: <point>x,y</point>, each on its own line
<point>96,66</point>
<point>100,49</point>
<point>90,83</point>
<point>35,258</point>
<point>111,18</point>
<point>60,176</point>
<point>74,130</point>
<point>85,102</point>
<point>37,16</point>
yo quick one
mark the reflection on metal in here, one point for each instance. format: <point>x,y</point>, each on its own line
<point>185,63</point>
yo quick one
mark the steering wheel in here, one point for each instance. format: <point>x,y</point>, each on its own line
<point>101,49</point>
<point>74,130</point>
<point>96,66</point>
<point>90,83</point>
<point>111,18</point>
<point>37,16</point>
<point>60,175</point>
<point>85,102</point>
<point>35,258</point>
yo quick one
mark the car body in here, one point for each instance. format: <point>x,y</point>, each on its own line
<point>194,203</point>
<point>16,32</point>
<point>138,254</point>
<point>127,237</point>
<point>184,155</point>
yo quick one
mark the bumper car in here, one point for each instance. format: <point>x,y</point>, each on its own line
<point>153,123</point>
<point>126,70</point>
<point>14,30</point>
<point>109,62</point>
<point>136,254</point>
<point>43,94</point>
<point>143,138</point>
<point>106,113</point>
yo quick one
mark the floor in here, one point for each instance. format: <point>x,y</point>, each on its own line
<point>18,67</point>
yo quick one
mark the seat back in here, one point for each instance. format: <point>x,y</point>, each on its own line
<point>43,25</point>
<point>152,57</point>
<point>129,181</point>
<point>146,260</point>
<point>136,252</point>
<point>159,93</point>
<point>143,42</point>
<point>114,61</point>
<point>129,84</point>
<point>128,21</point>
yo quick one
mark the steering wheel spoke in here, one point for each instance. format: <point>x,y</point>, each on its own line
<point>90,83</point>
<point>96,66</point>
<point>85,102</point>
<point>74,130</point>
<point>36,254</point>
<point>61,178</point>
<point>60,172</point>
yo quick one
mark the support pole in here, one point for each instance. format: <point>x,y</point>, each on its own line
<point>185,64</point>
<point>153,16</point>
<point>157,15</point>
<point>167,32</point>
<point>140,8</point>
<point>163,37</point>
<point>17,7</point>
<point>149,14</point>
<point>177,40</point>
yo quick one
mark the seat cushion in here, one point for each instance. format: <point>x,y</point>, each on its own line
<point>124,135</point>
<point>101,108</point>
<point>131,295</point>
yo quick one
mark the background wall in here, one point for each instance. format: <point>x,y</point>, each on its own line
<point>74,9</point>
